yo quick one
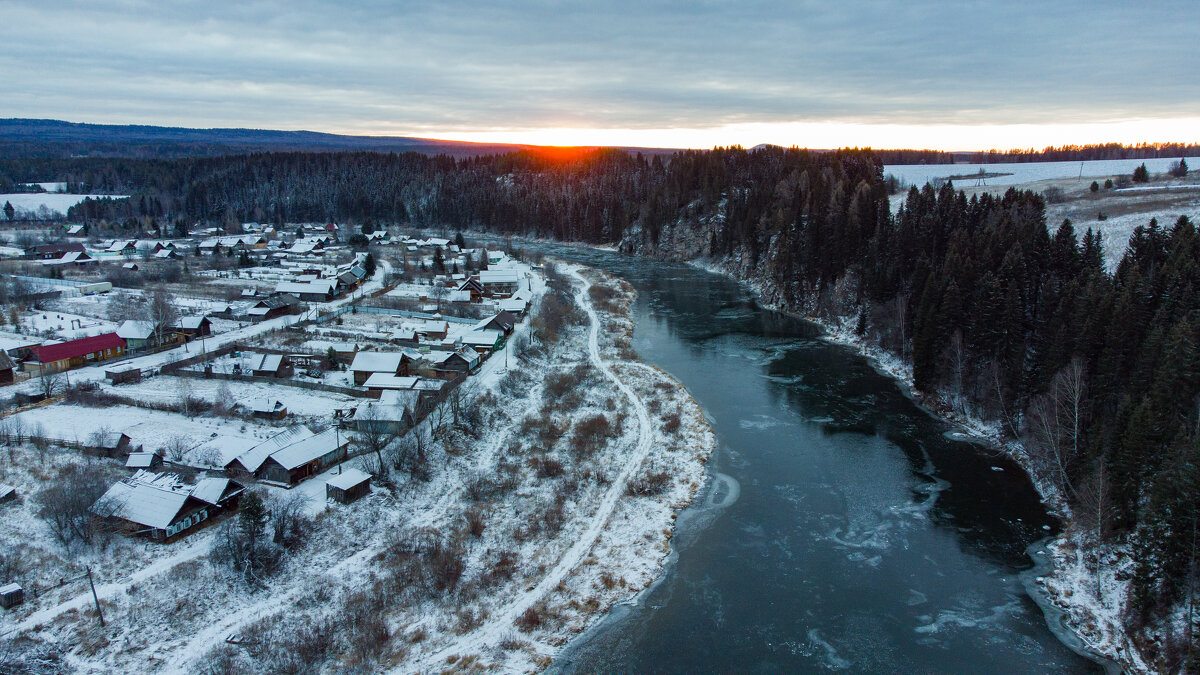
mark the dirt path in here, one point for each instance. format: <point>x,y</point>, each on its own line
<point>501,624</point>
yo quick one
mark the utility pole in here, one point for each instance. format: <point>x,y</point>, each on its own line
<point>94,598</point>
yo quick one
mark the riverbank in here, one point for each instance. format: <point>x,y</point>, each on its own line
<point>1070,585</point>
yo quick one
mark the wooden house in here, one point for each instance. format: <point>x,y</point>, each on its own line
<point>503,322</point>
<point>279,304</point>
<point>292,455</point>
<point>162,506</point>
<point>348,486</point>
<point>473,287</point>
<point>366,364</point>
<point>74,353</point>
<point>53,251</point>
<point>7,366</point>
<point>392,413</point>
<point>320,290</point>
<point>462,361</point>
<point>192,327</point>
<point>268,365</point>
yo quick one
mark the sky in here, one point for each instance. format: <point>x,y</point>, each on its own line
<point>963,75</point>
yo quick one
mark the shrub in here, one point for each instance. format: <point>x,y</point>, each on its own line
<point>671,422</point>
<point>475,520</point>
<point>590,433</point>
<point>547,467</point>
<point>1095,187</point>
<point>648,484</point>
<point>529,619</point>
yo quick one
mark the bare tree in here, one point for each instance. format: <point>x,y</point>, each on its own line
<point>1056,421</point>
<point>66,505</point>
<point>1094,512</point>
<point>958,367</point>
<point>162,312</point>
<point>51,383</point>
<point>374,436</point>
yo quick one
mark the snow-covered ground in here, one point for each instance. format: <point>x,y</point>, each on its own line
<point>53,203</point>
<point>564,544</point>
<point>1026,172</point>
<point>63,325</point>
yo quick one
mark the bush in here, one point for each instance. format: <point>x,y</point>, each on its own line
<point>1141,174</point>
<point>648,484</point>
<point>1180,170</point>
<point>547,467</point>
<point>1095,187</point>
<point>589,434</point>
<point>529,619</point>
<point>1054,195</point>
<point>476,520</point>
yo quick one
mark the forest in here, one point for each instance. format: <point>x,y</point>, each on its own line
<point>1006,316</point>
<point>1078,153</point>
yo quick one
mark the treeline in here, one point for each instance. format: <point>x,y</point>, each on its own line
<point>1077,153</point>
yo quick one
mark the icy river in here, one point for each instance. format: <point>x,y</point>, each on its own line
<point>843,529</point>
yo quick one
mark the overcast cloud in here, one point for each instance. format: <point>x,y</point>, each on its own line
<point>428,67</point>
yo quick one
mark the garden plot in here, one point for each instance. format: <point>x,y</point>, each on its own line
<point>151,429</point>
<point>65,325</point>
<point>303,402</point>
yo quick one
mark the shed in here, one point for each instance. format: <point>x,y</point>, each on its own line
<point>267,408</point>
<point>11,595</point>
<point>270,365</point>
<point>110,443</point>
<point>143,460</point>
<point>348,486</point>
<point>124,374</point>
<point>7,492</point>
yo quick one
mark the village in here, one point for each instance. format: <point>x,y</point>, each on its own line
<point>158,391</point>
<point>319,344</point>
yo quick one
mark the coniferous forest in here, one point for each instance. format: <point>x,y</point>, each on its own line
<point>1005,316</point>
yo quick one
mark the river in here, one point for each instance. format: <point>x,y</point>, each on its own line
<point>843,528</point>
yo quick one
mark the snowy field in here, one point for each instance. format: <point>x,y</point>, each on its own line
<point>53,202</point>
<point>302,402</point>
<point>1025,172</point>
<point>152,429</point>
<point>64,325</point>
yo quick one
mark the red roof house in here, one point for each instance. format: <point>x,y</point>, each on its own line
<point>75,353</point>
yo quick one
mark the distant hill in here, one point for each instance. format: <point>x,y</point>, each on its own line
<point>23,138</point>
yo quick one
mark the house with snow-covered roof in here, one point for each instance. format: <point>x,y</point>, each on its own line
<point>366,364</point>
<point>162,506</point>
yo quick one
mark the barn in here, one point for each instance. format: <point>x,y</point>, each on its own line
<point>348,486</point>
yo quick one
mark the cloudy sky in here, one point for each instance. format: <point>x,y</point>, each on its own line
<point>955,75</point>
